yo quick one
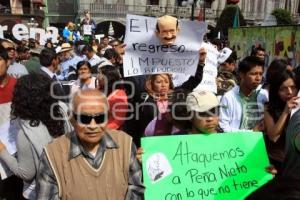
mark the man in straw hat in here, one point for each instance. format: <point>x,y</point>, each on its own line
<point>67,61</point>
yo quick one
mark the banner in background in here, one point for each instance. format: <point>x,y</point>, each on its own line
<point>279,42</point>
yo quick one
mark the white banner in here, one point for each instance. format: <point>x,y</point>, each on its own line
<point>144,54</point>
<point>87,30</point>
<point>210,70</point>
<point>8,136</point>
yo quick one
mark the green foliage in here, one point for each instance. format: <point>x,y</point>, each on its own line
<point>283,17</point>
<point>227,18</point>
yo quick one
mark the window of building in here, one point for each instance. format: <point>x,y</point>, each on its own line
<point>153,2</point>
<point>26,6</point>
<point>179,2</point>
<point>277,4</point>
<point>260,7</point>
<point>288,5</point>
<point>252,7</point>
<point>5,6</point>
<point>5,3</point>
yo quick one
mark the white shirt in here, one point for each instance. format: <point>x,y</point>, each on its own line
<point>95,60</point>
<point>76,85</point>
<point>51,74</point>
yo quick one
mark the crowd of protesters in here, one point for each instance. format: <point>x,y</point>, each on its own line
<point>74,96</point>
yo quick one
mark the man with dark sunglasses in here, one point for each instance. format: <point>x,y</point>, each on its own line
<point>15,69</point>
<point>92,162</point>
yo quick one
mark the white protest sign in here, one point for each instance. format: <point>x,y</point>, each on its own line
<point>144,54</point>
<point>87,29</point>
<point>8,135</point>
<point>179,79</point>
<point>21,31</point>
<point>210,70</point>
<point>294,110</point>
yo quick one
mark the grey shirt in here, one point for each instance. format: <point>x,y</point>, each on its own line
<point>291,163</point>
<point>17,70</point>
<point>30,143</point>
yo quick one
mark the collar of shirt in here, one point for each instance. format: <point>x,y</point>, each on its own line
<point>45,69</point>
<point>67,59</point>
<point>76,148</point>
<point>95,59</point>
<point>251,97</point>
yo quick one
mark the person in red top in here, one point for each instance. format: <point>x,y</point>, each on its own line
<point>110,82</point>
<point>7,83</point>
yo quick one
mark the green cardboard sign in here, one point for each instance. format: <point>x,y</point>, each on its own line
<point>193,167</point>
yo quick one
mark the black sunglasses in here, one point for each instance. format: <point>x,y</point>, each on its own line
<point>86,119</point>
<point>10,48</point>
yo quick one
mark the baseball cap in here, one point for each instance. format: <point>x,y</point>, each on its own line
<point>201,101</point>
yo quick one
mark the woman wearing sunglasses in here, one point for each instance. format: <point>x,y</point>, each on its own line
<point>38,118</point>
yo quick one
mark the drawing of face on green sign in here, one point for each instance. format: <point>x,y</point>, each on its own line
<point>210,167</point>
<point>158,167</point>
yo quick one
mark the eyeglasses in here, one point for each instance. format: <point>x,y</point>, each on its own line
<point>86,119</point>
<point>10,48</point>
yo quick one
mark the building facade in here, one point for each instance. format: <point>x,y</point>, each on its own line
<point>59,13</point>
<point>254,11</point>
<point>28,12</point>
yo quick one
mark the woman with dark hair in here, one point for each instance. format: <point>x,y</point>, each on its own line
<point>49,44</point>
<point>282,99</point>
<point>110,82</point>
<point>159,88</point>
<point>39,118</point>
<point>276,66</point>
<point>175,120</point>
<point>85,79</point>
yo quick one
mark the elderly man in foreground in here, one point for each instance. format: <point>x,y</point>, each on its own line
<point>92,162</point>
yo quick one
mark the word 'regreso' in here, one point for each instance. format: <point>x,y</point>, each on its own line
<point>151,48</point>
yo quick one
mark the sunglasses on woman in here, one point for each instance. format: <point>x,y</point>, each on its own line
<point>10,48</point>
<point>86,119</point>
